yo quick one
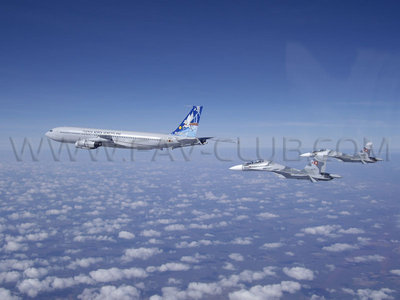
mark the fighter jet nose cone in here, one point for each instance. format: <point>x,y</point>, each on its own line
<point>308,154</point>
<point>335,176</point>
<point>236,168</point>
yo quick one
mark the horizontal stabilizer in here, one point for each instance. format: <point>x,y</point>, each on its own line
<point>204,139</point>
<point>225,140</point>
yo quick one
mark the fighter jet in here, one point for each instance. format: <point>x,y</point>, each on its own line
<point>364,156</point>
<point>313,171</point>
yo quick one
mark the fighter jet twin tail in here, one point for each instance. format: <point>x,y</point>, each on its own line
<point>315,169</point>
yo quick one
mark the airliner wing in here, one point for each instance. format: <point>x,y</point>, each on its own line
<point>96,139</point>
<point>123,143</point>
<point>106,137</point>
<point>116,141</point>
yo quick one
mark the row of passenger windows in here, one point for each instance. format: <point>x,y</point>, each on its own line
<point>137,138</point>
<point>114,136</point>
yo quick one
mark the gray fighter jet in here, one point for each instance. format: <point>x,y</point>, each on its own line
<point>313,171</point>
<point>364,156</point>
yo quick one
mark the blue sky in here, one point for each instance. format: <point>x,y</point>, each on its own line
<point>303,69</point>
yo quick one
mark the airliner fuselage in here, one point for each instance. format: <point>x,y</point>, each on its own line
<point>92,138</point>
<point>112,138</point>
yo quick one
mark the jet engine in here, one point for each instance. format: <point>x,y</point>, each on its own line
<point>85,144</point>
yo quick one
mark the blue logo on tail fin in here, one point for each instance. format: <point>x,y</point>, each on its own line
<point>189,125</point>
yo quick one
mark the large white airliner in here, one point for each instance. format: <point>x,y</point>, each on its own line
<point>89,138</point>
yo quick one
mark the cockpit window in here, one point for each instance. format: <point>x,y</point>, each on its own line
<point>254,162</point>
<point>51,130</point>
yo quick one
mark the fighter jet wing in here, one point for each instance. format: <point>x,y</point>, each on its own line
<point>279,175</point>
<point>338,159</point>
<point>312,179</point>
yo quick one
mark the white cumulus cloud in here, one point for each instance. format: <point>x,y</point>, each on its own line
<point>84,262</point>
<point>395,272</point>
<point>366,258</point>
<point>271,245</point>
<point>351,231</point>
<point>11,276</point>
<point>172,266</point>
<point>271,291</point>
<point>236,256</point>
<point>242,241</point>
<point>126,235</point>
<point>175,227</point>
<point>35,272</point>
<point>6,295</point>
<point>299,273</point>
<point>140,253</point>
<point>150,233</point>
<point>339,247</point>
<point>326,230</point>
<point>114,274</point>
<point>267,215</point>
<point>365,294</point>
<point>109,292</point>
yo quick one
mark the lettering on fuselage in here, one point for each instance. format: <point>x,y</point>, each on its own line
<point>100,132</point>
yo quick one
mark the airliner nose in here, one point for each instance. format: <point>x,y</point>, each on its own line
<point>236,168</point>
<point>48,133</point>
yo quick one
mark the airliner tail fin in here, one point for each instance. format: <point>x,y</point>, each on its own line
<point>189,125</point>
